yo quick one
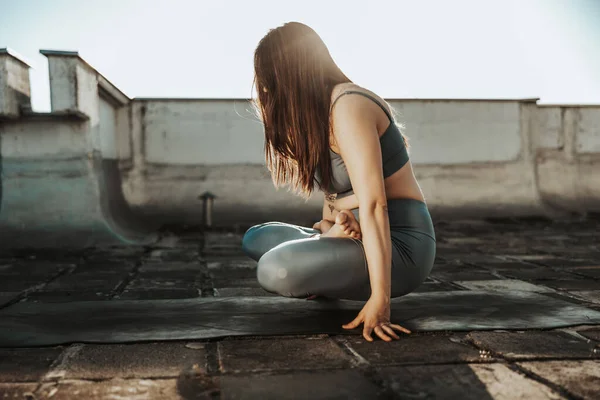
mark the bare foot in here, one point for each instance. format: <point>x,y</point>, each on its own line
<point>324,226</point>
<point>346,226</point>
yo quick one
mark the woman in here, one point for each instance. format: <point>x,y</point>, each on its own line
<point>322,131</point>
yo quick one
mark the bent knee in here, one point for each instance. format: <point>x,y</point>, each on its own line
<point>251,242</point>
<point>274,275</point>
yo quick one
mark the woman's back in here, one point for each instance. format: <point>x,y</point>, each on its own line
<point>399,184</point>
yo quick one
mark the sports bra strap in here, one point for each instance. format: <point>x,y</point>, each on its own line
<point>366,95</point>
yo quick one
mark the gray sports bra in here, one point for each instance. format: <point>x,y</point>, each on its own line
<point>393,154</point>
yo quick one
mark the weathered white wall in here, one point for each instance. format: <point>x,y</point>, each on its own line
<point>461,132</point>
<point>60,183</point>
<point>47,178</point>
<point>588,130</point>
<point>217,132</point>
<point>43,139</point>
<point>201,132</point>
<point>15,89</point>
<point>108,130</point>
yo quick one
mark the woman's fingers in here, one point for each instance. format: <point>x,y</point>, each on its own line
<point>400,328</point>
<point>367,334</point>
<point>356,322</point>
<point>390,331</point>
<point>381,334</point>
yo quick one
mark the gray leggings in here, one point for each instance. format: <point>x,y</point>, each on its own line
<point>294,262</point>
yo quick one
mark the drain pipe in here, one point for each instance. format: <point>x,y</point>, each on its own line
<point>208,200</point>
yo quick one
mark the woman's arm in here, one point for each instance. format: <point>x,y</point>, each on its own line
<point>329,211</point>
<point>355,132</point>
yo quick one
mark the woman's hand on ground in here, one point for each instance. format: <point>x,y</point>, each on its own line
<point>375,316</point>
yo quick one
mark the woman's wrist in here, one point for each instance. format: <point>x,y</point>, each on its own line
<point>381,294</point>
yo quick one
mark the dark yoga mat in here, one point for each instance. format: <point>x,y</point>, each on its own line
<point>37,324</point>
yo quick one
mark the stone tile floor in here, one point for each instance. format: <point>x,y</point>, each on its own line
<point>559,259</point>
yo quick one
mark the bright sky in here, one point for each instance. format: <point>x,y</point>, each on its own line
<point>397,48</point>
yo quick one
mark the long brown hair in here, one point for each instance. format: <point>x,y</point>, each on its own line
<point>294,78</point>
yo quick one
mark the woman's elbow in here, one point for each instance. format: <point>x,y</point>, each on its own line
<point>374,207</point>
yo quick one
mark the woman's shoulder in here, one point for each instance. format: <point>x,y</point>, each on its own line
<point>344,87</point>
<point>341,88</point>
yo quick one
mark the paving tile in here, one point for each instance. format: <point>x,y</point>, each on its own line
<point>34,270</point>
<point>503,286</point>
<point>131,389</point>
<point>158,294</point>
<point>129,252</point>
<point>416,349</point>
<point>232,263</point>
<point>509,264</point>
<point>236,283</point>
<point>24,275</point>
<point>532,272</point>
<point>165,283</point>
<point>119,266</point>
<point>500,249</point>
<point>464,275</point>
<point>225,272</point>
<point>6,297</point>
<point>566,262</point>
<point>464,240</point>
<point>435,287</point>
<point>217,245</point>
<point>179,242</point>
<point>216,253</point>
<point>534,345</point>
<point>141,360</point>
<point>592,296</point>
<point>314,385</point>
<point>280,354</point>
<point>62,296</point>
<point>223,238</point>
<point>570,284</point>
<point>18,284</point>
<point>26,364</point>
<point>475,381</point>
<point>233,274</point>
<point>504,383</point>
<point>5,265</point>
<point>173,269</point>
<point>530,258</point>
<point>242,291</point>
<point>456,266</point>
<point>172,278</point>
<point>581,378</point>
<point>175,255</point>
<point>593,334</point>
<point>15,391</point>
<point>87,281</point>
<point>591,272</point>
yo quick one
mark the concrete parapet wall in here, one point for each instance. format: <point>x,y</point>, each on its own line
<point>59,171</point>
<point>473,158</point>
<point>15,89</point>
